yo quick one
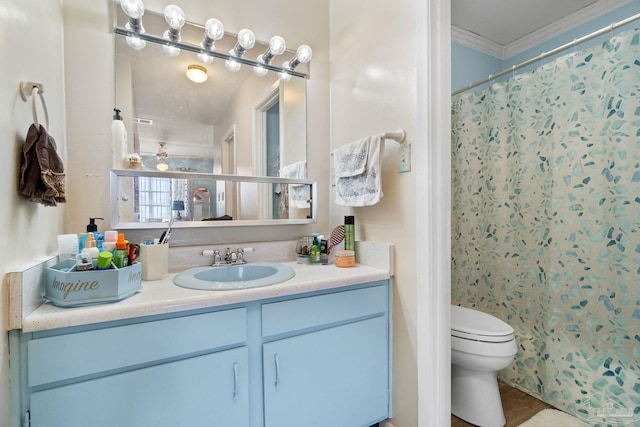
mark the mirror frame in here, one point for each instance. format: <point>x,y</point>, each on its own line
<point>114,197</point>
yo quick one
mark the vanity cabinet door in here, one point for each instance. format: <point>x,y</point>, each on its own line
<point>333,377</point>
<point>208,390</point>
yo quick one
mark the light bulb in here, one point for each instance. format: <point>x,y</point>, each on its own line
<point>162,166</point>
<point>133,8</point>
<point>170,50</point>
<point>174,16</point>
<point>246,38</point>
<point>204,58</point>
<point>277,45</point>
<point>304,53</point>
<point>233,66</point>
<point>284,76</point>
<point>134,42</point>
<point>214,29</point>
<point>260,70</point>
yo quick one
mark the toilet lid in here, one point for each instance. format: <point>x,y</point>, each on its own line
<point>474,324</point>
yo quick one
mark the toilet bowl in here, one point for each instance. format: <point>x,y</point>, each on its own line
<point>481,345</point>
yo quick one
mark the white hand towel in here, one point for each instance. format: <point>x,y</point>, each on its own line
<point>299,194</point>
<point>351,159</point>
<point>363,189</point>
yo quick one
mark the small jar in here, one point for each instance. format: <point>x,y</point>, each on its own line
<point>345,258</point>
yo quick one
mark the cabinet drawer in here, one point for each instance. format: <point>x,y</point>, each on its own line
<point>287,316</point>
<point>74,355</point>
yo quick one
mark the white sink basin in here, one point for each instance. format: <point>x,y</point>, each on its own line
<point>229,277</point>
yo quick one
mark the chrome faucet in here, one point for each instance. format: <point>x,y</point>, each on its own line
<point>230,257</point>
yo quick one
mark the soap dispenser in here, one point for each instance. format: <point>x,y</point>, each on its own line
<point>118,140</point>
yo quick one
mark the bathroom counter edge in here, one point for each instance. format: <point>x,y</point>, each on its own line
<point>163,297</point>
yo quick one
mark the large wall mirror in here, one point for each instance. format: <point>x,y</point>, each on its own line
<point>147,199</point>
<point>229,150</point>
<point>235,123</point>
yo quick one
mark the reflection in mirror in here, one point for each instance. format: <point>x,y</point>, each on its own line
<point>193,121</point>
<point>145,199</point>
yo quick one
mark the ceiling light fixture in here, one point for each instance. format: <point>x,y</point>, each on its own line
<point>197,73</point>
<point>162,156</point>
<point>277,46</point>
<point>246,40</point>
<point>213,30</point>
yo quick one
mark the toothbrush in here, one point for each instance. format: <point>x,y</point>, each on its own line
<point>166,234</point>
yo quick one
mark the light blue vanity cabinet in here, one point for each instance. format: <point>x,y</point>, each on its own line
<point>190,370</point>
<point>315,359</point>
<point>326,359</point>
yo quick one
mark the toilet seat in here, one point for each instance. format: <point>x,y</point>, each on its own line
<point>475,325</point>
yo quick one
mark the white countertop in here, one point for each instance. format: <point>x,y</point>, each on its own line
<point>162,296</point>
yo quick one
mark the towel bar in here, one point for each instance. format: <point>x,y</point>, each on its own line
<point>398,136</point>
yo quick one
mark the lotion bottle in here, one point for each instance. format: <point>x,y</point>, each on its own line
<point>90,250</point>
<point>118,140</point>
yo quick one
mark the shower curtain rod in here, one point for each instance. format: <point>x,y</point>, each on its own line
<point>544,55</point>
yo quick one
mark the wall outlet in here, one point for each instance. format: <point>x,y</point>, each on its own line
<point>404,158</point>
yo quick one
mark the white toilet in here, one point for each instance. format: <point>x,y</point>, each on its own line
<point>481,345</point>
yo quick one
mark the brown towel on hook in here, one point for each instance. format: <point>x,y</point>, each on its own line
<point>42,172</point>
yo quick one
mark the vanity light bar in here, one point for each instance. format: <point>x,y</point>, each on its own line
<point>133,30</point>
<point>198,49</point>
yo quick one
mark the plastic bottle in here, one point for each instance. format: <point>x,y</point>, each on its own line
<point>118,140</point>
<point>349,233</point>
<point>314,253</point>
<point>110,239</point>
<point>90,250</point>
<point>121,255</point>
<point>104,260</point>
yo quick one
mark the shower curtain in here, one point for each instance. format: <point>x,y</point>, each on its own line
<point>546,225</point>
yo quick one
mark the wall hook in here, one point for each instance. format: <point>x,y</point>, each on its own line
<point>30,90</point>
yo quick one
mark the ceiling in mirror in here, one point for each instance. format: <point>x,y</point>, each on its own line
<point>227,119</point>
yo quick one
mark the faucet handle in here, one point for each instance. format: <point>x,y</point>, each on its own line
<point>240,255</point>
<point>217,259</point>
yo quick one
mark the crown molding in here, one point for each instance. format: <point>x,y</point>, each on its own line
<point>545,33</point>
<point>476,41</point>
<point>554,29</point>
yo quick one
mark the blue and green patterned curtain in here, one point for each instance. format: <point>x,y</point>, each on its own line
<point>546,225</point>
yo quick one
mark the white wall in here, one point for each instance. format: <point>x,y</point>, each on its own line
<point>390,68</point>
<point>31,49</point>
<point>373,91</point>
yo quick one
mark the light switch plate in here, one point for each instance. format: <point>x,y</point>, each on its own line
<point>404,158</point>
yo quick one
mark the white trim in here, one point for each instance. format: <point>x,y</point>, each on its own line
<point>541,35</point>
<point>476,41</point>
<point>554,29</point>
<point>231,188</point>
<point>433,195</point>
<point>265,202</point>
